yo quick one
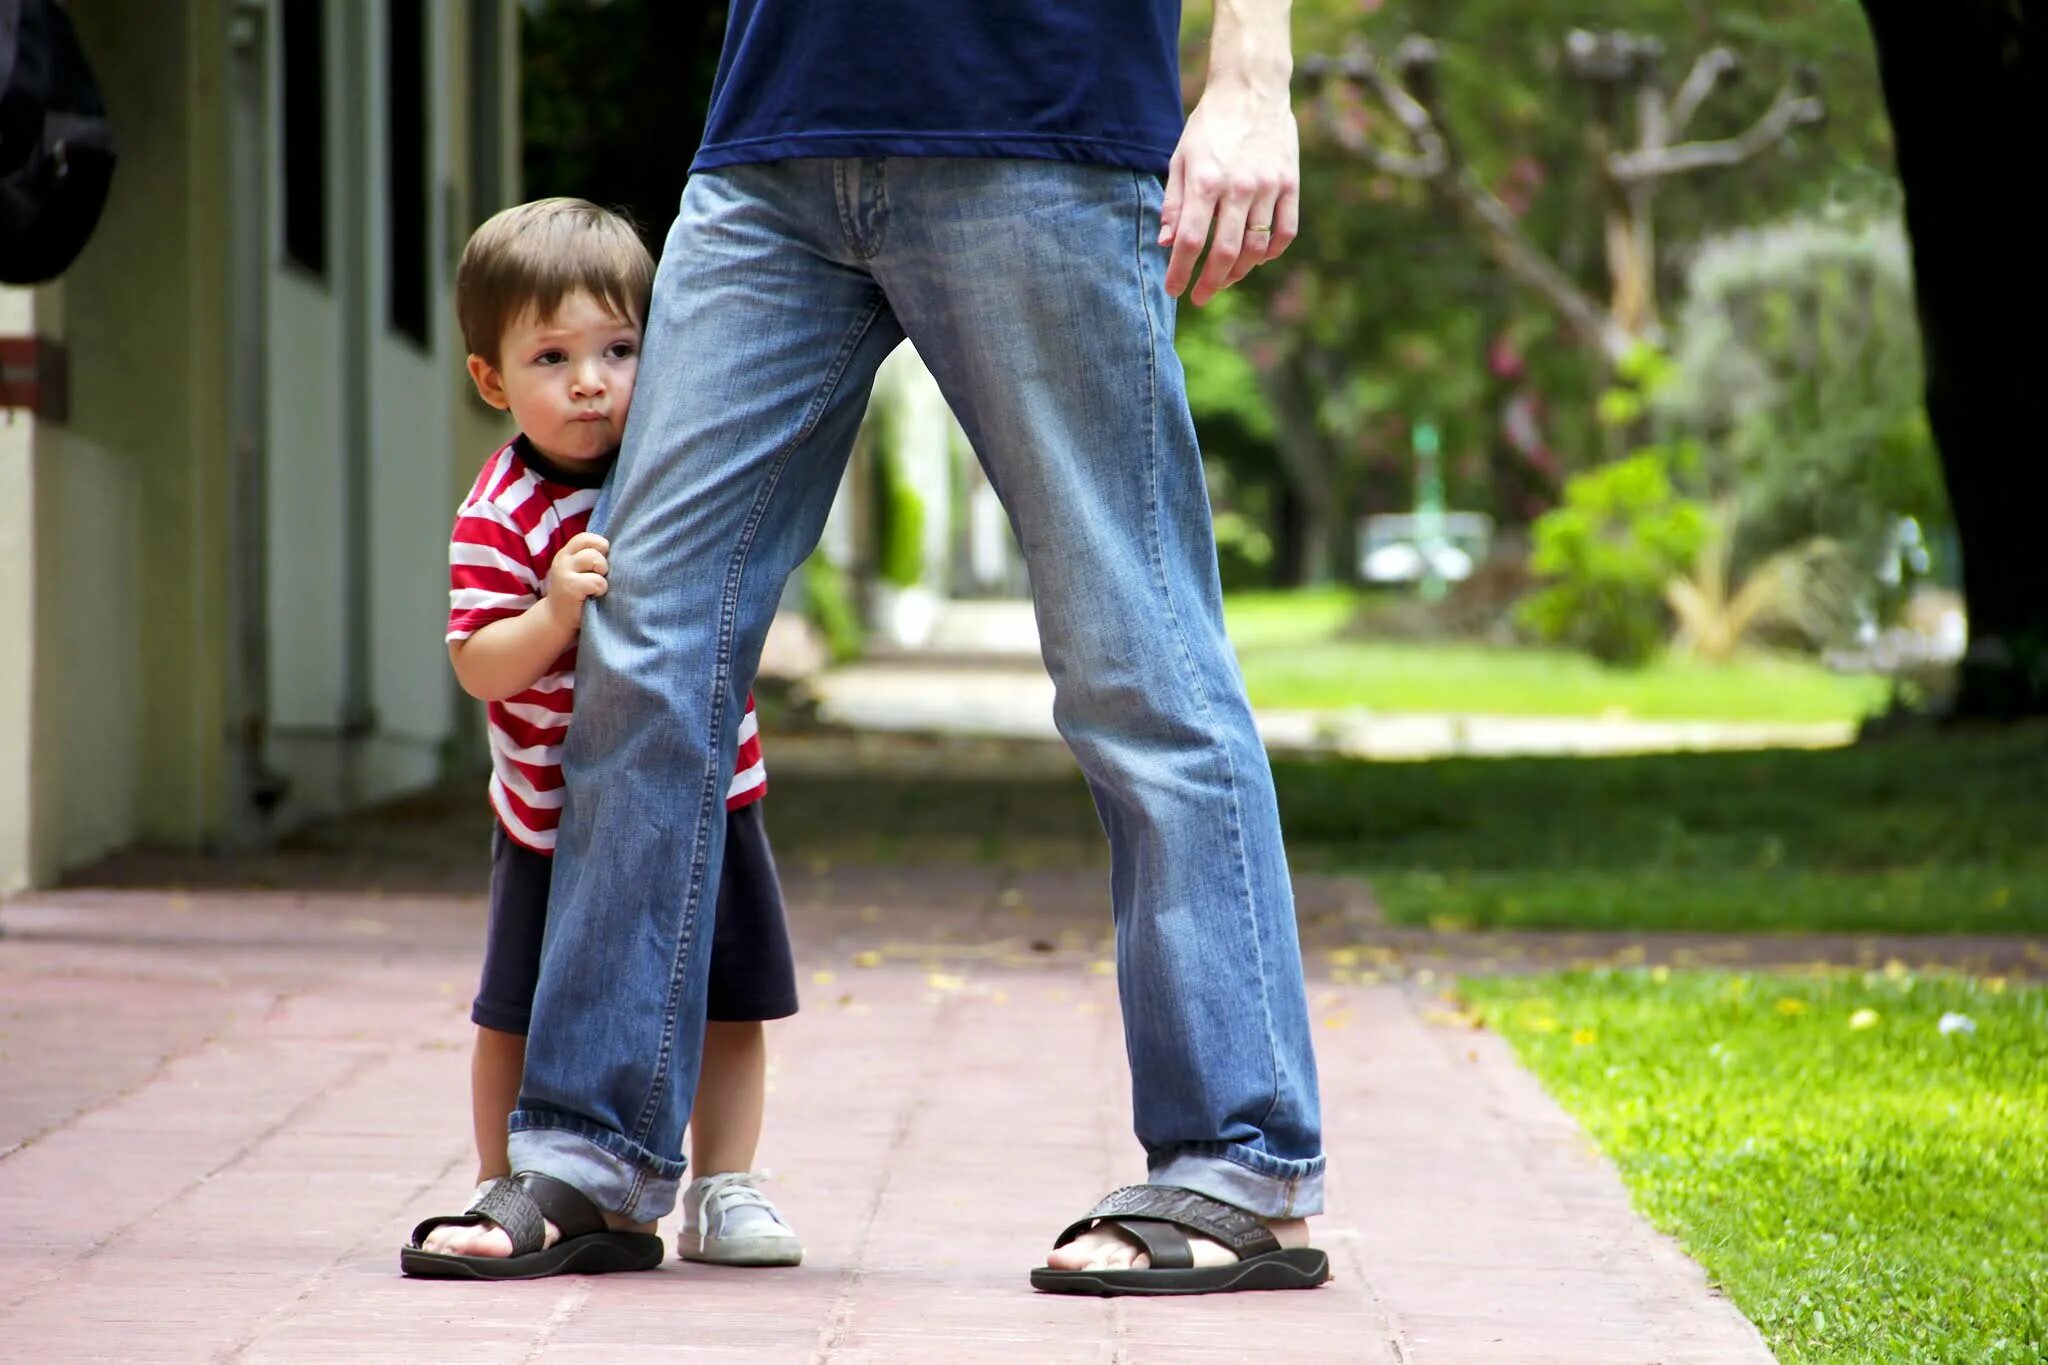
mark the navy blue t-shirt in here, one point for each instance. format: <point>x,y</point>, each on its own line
<point>1062,80</point>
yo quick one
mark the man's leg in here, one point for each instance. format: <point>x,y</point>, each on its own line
<point>1035,293</point>
<point>763,339</point>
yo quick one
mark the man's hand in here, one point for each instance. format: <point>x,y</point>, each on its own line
<point>577,575</point>
<point>1235,179</point>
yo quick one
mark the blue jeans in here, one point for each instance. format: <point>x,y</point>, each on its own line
<point>1035,293</point>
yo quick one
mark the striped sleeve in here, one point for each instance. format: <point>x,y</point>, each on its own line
<point>750,773</point>
<point>491,574</point>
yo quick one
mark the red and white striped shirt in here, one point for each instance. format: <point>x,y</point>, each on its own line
<point>520,513</point>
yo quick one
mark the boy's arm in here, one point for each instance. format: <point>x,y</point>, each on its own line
<point>506,657</point>
<point>502,657</point>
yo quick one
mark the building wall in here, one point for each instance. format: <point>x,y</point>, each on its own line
<point>128,493</point>
<point>421,441</point>
<point>118,714</point>
<point>413,390</point>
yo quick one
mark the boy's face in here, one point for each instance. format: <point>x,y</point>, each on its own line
<point>567,380</point>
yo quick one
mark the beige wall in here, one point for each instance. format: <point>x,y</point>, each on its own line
<point>128,493</point>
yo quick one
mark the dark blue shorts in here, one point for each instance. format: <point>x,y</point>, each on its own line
<point>753,971</point>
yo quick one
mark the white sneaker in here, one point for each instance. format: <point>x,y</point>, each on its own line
<point>727,1221</point>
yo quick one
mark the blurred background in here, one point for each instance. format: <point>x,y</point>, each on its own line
<point>1588,415</point>
<point>1628,493</point>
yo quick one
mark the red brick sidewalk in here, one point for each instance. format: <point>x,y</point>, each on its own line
<point>220,1115</point>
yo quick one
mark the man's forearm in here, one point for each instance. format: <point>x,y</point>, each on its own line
<point>1249,45</point>
<point>507,657</point>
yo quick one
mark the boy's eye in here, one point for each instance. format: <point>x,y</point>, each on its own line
<point>549,358</point>
<point>622,350</point>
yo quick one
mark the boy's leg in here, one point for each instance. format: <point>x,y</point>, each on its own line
<point>753,978</point>
<point>494,1068</point>
<point>727,1220</point>
<point>732,1097</point>
<point>761,346</point>
<point>504,996</point>
<point>1035,292</point>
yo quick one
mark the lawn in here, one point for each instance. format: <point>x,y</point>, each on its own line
<point>1295,657</point>
<point>1933,833</point>
<point>1865,1186</point>
<point>1939,833</point>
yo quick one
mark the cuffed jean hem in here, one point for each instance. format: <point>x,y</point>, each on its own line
<point>1243,1178</point>
<point>618,1176</point>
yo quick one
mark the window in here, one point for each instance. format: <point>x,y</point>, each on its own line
<point>405,162</point>
<point>304,61</point>
<point>486,115</point>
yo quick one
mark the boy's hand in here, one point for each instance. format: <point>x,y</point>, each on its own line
<point>577,575</point>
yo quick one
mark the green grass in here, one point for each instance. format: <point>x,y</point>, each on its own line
<point>1294,658</point>
<point>1864,1194</point>
<point>1940,833</point>
<point>1934,833</point>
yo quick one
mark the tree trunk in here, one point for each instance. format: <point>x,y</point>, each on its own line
<point>1298,538</point>
<point>1309,466</point>
<point>1966,89</point>
<point>674,57</point>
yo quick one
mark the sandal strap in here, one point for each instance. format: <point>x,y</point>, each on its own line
<point>514,1210</point>
<point>562,1204</point>
<point>1235,1228</point>
<point>1166,1246</point>
<point>523,1205</point>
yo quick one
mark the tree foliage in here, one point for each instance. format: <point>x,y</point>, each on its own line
<point>1388,310</point>
<point>613,95</point>
<point>1799,371</point>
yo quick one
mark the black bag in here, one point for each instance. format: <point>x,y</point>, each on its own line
<point>56,150</point>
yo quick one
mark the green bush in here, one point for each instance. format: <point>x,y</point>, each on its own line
<point>1797,367</point>
<point>1622,533</point>
<point>830,608</point>
<point>898,510</point>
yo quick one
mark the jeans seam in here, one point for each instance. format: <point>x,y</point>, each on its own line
<point>721,686</point>
<point>1158,552</point>
<point>880,218</point>
<point>839,202</point>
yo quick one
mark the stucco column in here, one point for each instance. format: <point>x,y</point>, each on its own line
<point>17,615</point>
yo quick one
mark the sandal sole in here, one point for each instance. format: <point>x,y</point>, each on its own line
<point>1294,1268</point>
<point>596,1254</point>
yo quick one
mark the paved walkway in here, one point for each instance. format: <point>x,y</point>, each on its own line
<point>223,1111</point>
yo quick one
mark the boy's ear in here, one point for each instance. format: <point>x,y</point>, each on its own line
<point>490,385</point>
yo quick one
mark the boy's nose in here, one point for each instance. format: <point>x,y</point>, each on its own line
<point>589,379</point>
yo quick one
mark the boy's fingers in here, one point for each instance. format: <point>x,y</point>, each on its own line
<point>587,540</point>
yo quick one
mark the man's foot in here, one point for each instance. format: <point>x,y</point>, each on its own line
<point>1106,1248</point>
<point>489,1240</point>
<point>528,1227</point>
<point>728,1221</point>
<point>1164,1239</point>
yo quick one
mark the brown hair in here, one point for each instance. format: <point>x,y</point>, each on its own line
<point>535,255</point>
